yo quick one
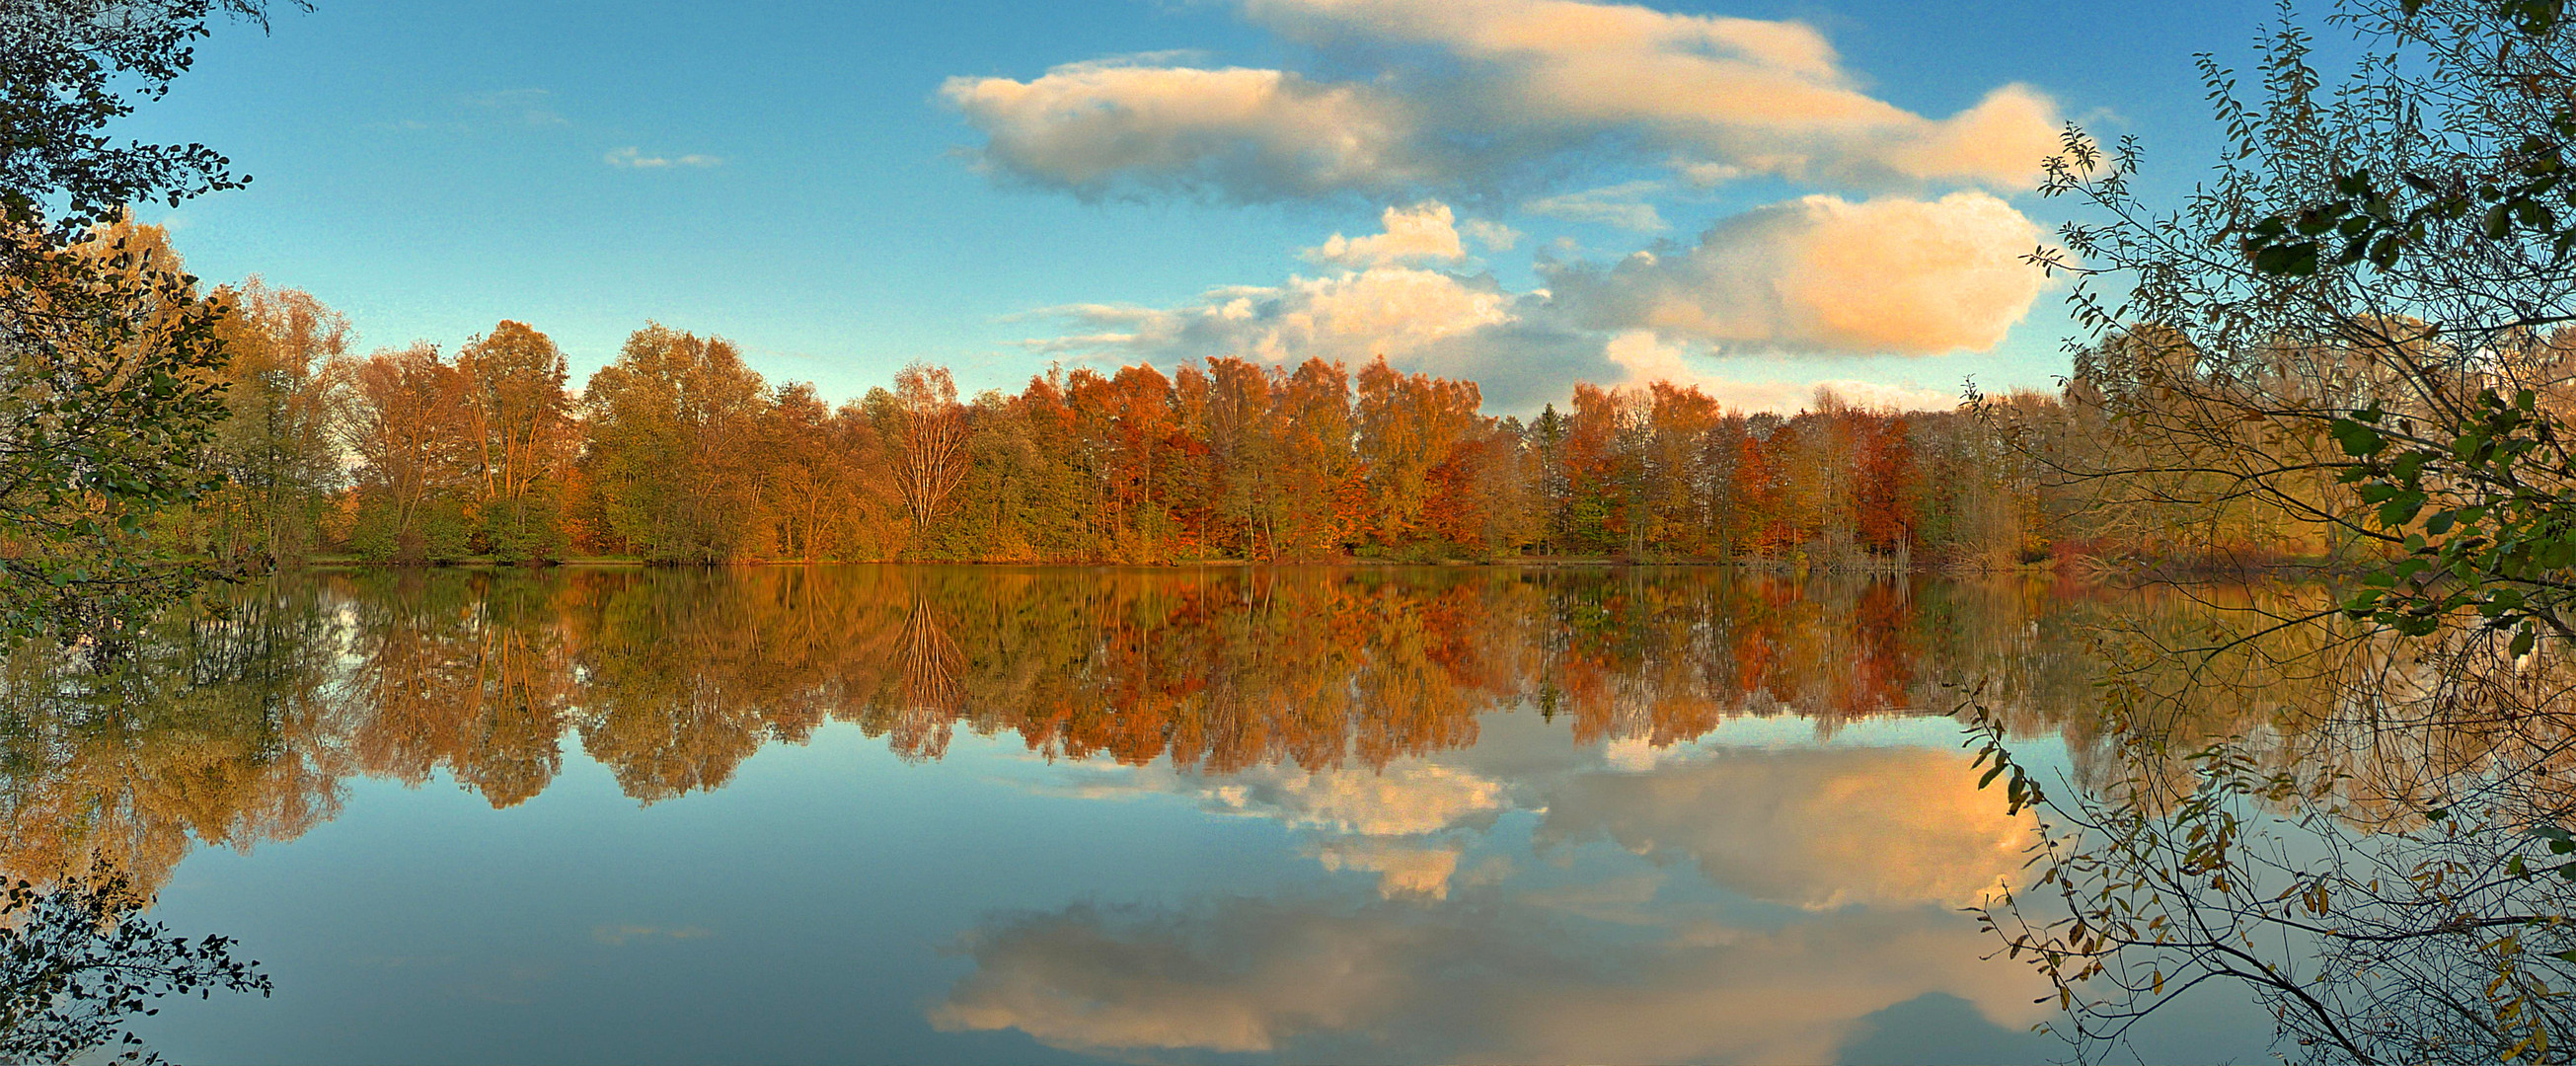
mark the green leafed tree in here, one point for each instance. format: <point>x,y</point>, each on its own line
<point>278,448</point>
<point>518,421</point>
<point>669,452</point>
<point>2352,336</point>
<point>110,368</point>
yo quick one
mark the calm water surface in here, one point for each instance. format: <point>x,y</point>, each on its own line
<point>936,815</point>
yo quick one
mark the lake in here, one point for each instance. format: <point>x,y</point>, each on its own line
<point>977,814</point>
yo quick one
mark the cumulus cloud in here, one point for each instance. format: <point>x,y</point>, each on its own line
<point>1122,126</point>
<point>1481,92</point>
<point>1426,231</point>
<point>1891,276</point>
<point>1638,355</point>
<point>1824,274</point>
<point>1501,982</point>
<point>634,159</point>
<point>1399,312</point>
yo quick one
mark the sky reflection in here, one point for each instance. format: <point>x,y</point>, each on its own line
<point>1753,905</point>
<point>1328,816</point>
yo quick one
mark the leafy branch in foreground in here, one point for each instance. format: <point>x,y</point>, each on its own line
<point>2369,937</point>
<point>109,366</point>
<point>2478,511</point>
<point>69,68</point>
<point>109,389</point>
<point>76,962</point>
<point>2361,320</point>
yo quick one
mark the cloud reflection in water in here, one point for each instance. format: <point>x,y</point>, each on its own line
<point>1826,890</point>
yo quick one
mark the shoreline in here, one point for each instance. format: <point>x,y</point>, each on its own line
<point>2086,568</point>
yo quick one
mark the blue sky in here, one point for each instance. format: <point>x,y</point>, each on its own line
<point>840,189</point>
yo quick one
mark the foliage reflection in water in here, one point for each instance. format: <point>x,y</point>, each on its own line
<point>1539,814</point>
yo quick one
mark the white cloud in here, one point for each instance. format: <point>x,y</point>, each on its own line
<point>1495,236</point>
<point>1425,231</point>
<point>1639,356</point>
<point>1624,206</point>
<point>1110,127</point>
<point>1823,274</point>
<point>1894,276</point>
<point>635,159</point>
<point>1403,313</point>
<point>1484,92</point>
<point>1503,101</point>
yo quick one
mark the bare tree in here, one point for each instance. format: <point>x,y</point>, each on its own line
<point>932,437</point>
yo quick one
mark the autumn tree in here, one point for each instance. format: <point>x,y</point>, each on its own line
<point>822,476</point>
<point>1682,496</point>
<point>1505,486</point>
<point>1241,472</point>
<point>517,416</point>
<point>1823,479</point>
<point>1409,427</point>
<point>278,448</point>
<point>416,455</point>
<point>669,428</point>
<point>1135,430</point>
<point>1043,472</point>
<point>1323,498</point>
<point>1603,474</point>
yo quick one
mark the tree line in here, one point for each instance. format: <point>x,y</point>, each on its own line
<point>678,452</point>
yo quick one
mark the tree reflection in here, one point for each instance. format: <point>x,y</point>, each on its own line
<point>933,693</point>
<point>237,721</point>
<point>468,676</point>
<point>1350,705</point>
<point>2365,829</point>
<point>221,725</point>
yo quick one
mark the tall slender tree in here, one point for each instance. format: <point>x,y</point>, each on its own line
<point>518,417</point>
<point>931,436</point>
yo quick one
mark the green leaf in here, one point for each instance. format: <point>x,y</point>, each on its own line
<point>2357,440</point>
<point>2297,259</point>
